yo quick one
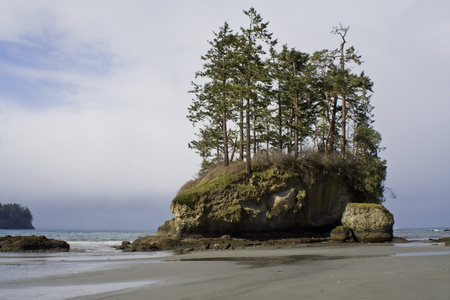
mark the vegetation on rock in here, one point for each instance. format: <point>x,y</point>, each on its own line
<point>274,171</point>
<point>283,194</point>
<point>286,137</point>
<point>15,216</point>
<point>32,244</point>
<point>251,96</point>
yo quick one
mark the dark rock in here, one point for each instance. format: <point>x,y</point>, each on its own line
<point>342,234</point>
<point>443,240</point>
<point>399,240</point>
<point>32,244</point>
<point>183,244</point>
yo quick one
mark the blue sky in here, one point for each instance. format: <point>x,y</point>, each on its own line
<point>93,100</point>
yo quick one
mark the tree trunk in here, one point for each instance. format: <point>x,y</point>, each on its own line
<point>248,163</point>
<point>280,120</point>
<point>255,146</point>
<point>226,162</point>
<point>296,125</point>
<point>241,131</point>
<point>234,149</point>
<point>343,33</point>
<point>344,140</point>
<point>329,144</point>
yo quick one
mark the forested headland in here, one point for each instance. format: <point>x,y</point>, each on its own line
<point>15,216</point>
<point>254,99</point>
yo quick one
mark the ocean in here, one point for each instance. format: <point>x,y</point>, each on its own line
<point>92,250</point>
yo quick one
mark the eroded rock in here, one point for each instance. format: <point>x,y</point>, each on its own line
<point>271,202</point>
<point>186,244</point>
<point>363,222</point>
<point>32,244</point>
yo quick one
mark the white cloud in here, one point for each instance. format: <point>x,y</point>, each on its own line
<point>94,102</point>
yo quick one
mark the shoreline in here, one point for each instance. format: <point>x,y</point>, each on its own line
<point>371,271</point>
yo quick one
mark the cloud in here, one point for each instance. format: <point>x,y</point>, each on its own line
<point>93,94</point>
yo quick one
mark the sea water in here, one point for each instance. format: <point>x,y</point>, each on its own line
<point>90,250</point>
<point>422,234</point>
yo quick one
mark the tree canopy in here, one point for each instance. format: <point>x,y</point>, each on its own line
<point>15,216</point>
<point>254,96</point>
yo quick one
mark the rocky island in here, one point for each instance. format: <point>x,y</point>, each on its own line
<point>286,201</point>
<point>287,145</point>
<point>15,216</point>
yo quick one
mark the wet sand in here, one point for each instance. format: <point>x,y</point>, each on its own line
<point>372,271</point>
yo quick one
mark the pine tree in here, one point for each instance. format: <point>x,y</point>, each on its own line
<point>253,75</point>
<point>245,97</point>
<point>214,100</point>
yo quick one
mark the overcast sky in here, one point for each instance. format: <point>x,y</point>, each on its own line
<point>93,100</point>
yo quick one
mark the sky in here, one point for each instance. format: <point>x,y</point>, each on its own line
<point>94,98</point>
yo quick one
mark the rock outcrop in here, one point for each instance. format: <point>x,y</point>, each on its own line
<point>32,244</point>
<point>15,216</point>
<point>363,222</point>
<point>269,202</point>
<point>226,242</point>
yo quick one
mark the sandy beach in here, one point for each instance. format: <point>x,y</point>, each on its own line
<point>361,271</point>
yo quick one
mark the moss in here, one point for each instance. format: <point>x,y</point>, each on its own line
<point>191,196</point>
<point>301,195</point>
<point>374,205</point>
<point>189,199</point>
<point>269,173</point>
<point>246,189</point>
<point>288,175</point>
<point>234,208</point>
<point>270,178</point>
<point>368,205</point>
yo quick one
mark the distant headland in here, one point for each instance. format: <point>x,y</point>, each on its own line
<point>15,216</point>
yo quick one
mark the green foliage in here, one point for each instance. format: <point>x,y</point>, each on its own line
<point>189,199</point>
<point>216,179</point>
<point>362,175</point>
<point>301,195</point>
<point>254,95</point>
<point>279,103</point>
<point>15,216</point>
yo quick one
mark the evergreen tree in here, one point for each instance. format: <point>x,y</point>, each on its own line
<point>215,99</point>
<point>253,75</point>
<point>248,94</point>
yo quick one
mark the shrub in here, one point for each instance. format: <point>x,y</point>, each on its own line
<point>363,174</point>
<point>188,185</point>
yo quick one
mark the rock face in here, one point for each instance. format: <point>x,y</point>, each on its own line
<point>364,222</point>
<point>267,203</point>
<point>32,244</point>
